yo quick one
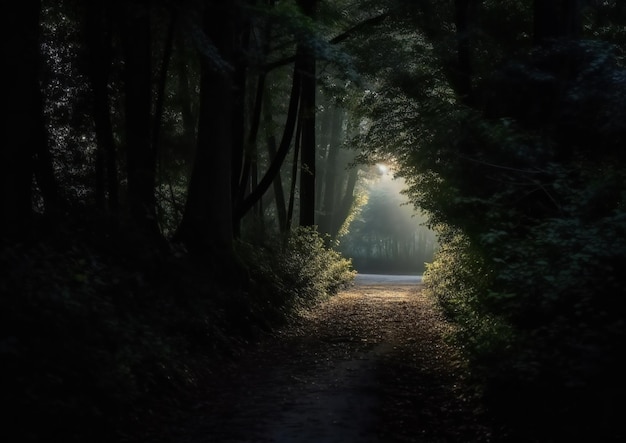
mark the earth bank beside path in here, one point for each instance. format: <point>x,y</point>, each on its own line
<point>369,365</point>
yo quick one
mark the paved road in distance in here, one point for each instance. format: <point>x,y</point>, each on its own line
<point>375,279</point>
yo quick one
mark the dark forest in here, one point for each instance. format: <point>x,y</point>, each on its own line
<point>181,178</point>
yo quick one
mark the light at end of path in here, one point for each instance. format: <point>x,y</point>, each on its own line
<point>383,279</point>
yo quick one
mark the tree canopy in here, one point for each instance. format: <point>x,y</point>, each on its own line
<point>506,121</point>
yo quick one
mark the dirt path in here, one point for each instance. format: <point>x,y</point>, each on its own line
<point>370,365</point>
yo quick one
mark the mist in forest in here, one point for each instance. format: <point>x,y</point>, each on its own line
<point>387,235</point>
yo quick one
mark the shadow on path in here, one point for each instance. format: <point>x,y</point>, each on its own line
<point>369,365</point>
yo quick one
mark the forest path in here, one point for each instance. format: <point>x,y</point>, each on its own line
<point>369,365</point>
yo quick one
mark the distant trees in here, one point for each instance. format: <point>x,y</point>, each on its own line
<point>339,172</point>
<point>24,151</point>
<point>386,235</point>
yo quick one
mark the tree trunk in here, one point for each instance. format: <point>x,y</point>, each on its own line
<point>141,159</point>
<point>168,47</point>
<point>185,100</point>
<point>249,170</point>
<point>283,148</point>
<point>98,37</point>
<point>325,119</point>
<point>294,174</point>
<point>242,149</point>
<point>206,227</point>
<point>465,11</point>
<point>24,117</point>
<point>308,144</point>
<point>329,209</point>
<point>279,193</point>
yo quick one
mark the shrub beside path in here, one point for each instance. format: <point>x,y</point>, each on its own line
<point>369,365</point>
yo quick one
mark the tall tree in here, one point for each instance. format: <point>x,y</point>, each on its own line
<point>279,193</point>
<point>23,132</point>
<point>242,147</point>
<point>283,148</point>
<point>140,155</point>
<point>207,226</point>
<point>465,11</point>
<point>331,171</point>
<point>308,111</point>
<point>98,36</point>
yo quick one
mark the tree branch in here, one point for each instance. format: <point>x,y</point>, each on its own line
<point>335,40</point>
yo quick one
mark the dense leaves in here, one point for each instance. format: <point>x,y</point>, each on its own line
<point>521,172</point>
<point>133,153</point>
<point>139,224</point>
<point>97,338</point>
<point>541,208</point>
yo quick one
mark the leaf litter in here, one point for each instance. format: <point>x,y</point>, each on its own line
<point>369,365</point>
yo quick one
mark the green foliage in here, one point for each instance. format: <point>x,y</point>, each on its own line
<point>530,270</point>
<point>360,200</point>
<point>99,335</point>
<point>458,275</point>
<point>541,309</point>
<point>297,269</point>
<point>292,26</point>
<point>525,185</point>
<point>91,341</point>
<point>559,287</point>
<point>459,278</point>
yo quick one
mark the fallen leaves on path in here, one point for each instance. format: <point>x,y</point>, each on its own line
<point>369,365</point>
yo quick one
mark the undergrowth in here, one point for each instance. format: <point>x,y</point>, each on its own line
<point>98,342</point>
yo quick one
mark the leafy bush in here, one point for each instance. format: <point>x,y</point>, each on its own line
<point>458,278</point>
<point>559,288</point>
<point>530,260</point>
<point>298,269</point>
<point>541,313</point>
<point>97,336</point>
<point>89,342</point>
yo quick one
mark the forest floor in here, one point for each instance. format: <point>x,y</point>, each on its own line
<point>369,365</point>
